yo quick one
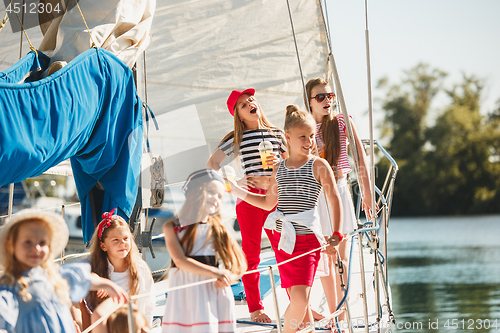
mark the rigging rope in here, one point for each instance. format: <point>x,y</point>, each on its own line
<point>297,52</point>
<point>84,22</point>
<point>370,108</point>
<point>5,20</point>
<point>32,48</point>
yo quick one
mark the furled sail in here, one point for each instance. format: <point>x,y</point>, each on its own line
<point>87,111</point>
<point>119,26</point>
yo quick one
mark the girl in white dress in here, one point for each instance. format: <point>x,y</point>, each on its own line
<point>114,255</point>
<point>197,241</point>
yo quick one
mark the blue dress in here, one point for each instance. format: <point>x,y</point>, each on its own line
<point>45,312</point>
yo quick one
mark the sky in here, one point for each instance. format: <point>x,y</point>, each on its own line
<point>455,36</point>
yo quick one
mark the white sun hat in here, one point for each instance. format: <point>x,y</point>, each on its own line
<point>60,233</point>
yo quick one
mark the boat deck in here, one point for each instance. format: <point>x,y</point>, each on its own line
<point>317,299</point>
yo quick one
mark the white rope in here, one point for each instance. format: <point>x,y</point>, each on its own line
<point>174,288</point>
<point>73,256</point>
<point>297,52</point>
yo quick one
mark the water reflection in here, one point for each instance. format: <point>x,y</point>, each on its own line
<point>442,269</point>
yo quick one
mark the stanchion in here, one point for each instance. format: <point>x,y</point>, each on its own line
<point>275,299</point>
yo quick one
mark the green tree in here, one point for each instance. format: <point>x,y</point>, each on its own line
<point>406,106</point>
<point>460,156</point>
<point>451,167</point>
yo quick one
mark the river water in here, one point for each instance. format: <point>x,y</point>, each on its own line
<point>445,273</point>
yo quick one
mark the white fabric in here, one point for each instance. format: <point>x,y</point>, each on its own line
<point>348,215</point>
<point>308,218</point>
<point>201,247</point>
<point>146,285</point>
<point>119,26</point>
<point>203,308</point>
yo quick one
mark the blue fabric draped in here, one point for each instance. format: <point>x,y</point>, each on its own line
<point>88,111</point>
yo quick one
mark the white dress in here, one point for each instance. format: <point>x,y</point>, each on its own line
<point>203,308</point>
<point>146,286</point>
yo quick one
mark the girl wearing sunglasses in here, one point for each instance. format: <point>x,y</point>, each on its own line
<point>251,128</point>
<point>331,141</point>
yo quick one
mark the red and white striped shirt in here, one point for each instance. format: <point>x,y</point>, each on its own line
<point>343,162</point>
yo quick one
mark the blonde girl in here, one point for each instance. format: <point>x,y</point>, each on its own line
<point>295,186</point>
<point>250,129</point>
<point>197,241</point>
<point>331,141</point>
<point>35,293</point>
<point>114,255</point>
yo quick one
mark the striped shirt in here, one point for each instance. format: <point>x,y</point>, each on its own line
<point>298,191</point>
<point>343,162</point>
<point>249,149</point>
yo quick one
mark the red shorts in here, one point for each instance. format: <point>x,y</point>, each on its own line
<point>299,272</point>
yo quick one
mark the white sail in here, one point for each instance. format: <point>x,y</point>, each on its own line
<point>201,50</point>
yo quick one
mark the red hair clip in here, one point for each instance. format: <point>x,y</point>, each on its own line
<point>106,221</point>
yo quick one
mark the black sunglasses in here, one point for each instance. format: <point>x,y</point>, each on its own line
<point>321,97</point>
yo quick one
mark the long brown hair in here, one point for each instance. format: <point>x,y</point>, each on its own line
<point>12,272</point>
<point>329,128</point>
<point>224,244</point>
<point>99,258</point>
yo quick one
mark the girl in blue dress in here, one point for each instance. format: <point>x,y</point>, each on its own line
<point>35,293</point>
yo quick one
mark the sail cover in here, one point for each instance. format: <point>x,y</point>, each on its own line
<point>88,111</point>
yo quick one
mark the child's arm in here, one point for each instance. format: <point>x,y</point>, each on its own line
<point>113,290</point>
<point>188,264</point>
<point>267,201</point>
<point>364,174</point>
<point>324,174</point>
<point>216,159</point>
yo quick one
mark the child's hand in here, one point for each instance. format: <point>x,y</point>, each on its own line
<point>114,291</point>
<point>246,182</point>
<point>333,240</point>
<point>331,250</point>
<point>223,278</point>
<point>272,160</point>
<point>366,206</point>
<point>101,293</point>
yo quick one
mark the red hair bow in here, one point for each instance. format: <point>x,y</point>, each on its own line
<point>106,221</point>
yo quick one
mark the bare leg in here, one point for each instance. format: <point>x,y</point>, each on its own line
<point>328,284</point>
<point>296,310</point>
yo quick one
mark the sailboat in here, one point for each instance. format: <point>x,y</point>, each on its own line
<point>201,50</point>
